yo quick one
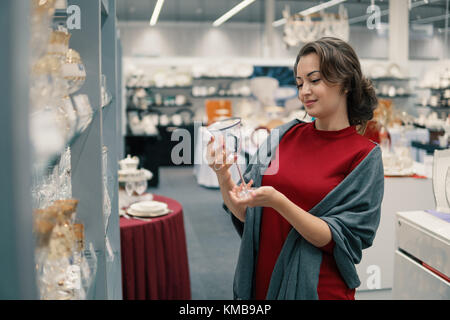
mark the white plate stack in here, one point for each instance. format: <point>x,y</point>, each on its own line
<point>146,209</point>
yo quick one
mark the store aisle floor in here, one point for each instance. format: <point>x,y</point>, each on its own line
<point>212,242</point>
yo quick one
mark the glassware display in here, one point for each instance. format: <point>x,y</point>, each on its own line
<point>227,137</point>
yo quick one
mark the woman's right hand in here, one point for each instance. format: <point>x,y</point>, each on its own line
<point>218,160</point>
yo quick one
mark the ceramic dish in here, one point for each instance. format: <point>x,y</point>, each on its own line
<point>149,206</point>
<point>152,208</point>
<point>133,213</point>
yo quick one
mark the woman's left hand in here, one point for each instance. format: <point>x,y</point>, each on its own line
<point>261,197</point>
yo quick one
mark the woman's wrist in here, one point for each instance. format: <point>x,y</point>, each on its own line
<point>278,200</point>
<point>223,176</point>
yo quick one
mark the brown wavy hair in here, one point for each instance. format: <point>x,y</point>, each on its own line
<point>339,64</point>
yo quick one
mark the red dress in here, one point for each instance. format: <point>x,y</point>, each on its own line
<point>311,164</point>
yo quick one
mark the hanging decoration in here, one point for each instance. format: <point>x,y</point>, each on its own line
<point>301,29</point>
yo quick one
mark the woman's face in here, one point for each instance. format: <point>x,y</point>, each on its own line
<point>320,98</point>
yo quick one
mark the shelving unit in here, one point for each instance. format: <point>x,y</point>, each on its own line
<point>396,97</point>
<point>97,44</point>
<point>158,151</point>
<point>392,79</point>
<point>17,280</point>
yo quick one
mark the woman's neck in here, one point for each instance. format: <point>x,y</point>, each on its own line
<point>335,122</point>
<point>331,125</point>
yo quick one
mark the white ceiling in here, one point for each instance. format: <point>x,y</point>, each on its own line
<point>210,10</point>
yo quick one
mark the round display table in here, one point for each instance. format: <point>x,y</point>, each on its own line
<point>154,256</point>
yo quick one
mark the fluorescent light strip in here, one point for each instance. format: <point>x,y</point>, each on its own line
<point>320,7</point>
<point>156,12</point>
<point>232,12</point>
<point>279,23</point>
<point>309,11</point>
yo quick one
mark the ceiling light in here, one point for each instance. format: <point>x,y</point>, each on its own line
<point>320,7</point>
<point>309,11</point>
<point>279,22</point>
<point>232,12</point>
<point>156,12</point>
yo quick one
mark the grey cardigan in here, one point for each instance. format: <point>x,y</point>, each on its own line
<point>351,209</point>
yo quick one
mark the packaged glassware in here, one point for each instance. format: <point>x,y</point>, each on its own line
<point>73,71</point>
<point>42,12</point>
<point>57,272</point>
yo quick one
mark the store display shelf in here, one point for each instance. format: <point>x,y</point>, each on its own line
<point>222,78</point>
<point>60,14</point>
<point>443,108</point>
<point>141,135</point>
<point>161,107</point>
<point>396,97</point>
<point>157,88</point>
<point>428,147</point>
<point>432,88</point>
<point>221,96</point>
<point>391,79</point>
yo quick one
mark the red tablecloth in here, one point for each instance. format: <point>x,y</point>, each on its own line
<point>154,256</point>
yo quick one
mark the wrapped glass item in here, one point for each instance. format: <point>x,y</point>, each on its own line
<point>41,17</point>
<point>73,71</point>
<point>53,260</point>
<point>59,43</point>
<point>84,111</point>
<point>57,275</point>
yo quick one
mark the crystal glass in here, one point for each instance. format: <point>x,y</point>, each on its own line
<point>227,134</point>
<point>140,187</point>
<point>129,188</point>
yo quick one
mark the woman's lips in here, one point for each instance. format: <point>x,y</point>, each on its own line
<point>309,103</point>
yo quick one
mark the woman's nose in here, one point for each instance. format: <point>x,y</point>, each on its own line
<point>305,89</point>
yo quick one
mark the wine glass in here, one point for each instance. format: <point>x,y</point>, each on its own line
<point>140,186</point>
<point>228,132</point>
<point>129,188</point>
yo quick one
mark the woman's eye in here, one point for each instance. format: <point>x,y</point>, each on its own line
<point>299,86</point>
<point>314,81</point>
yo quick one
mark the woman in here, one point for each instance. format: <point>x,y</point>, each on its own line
<point>305,225</point>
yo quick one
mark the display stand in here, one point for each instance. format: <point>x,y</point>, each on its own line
<point>96,43</point>
<point>111,137</point>
<point>17,280</point>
